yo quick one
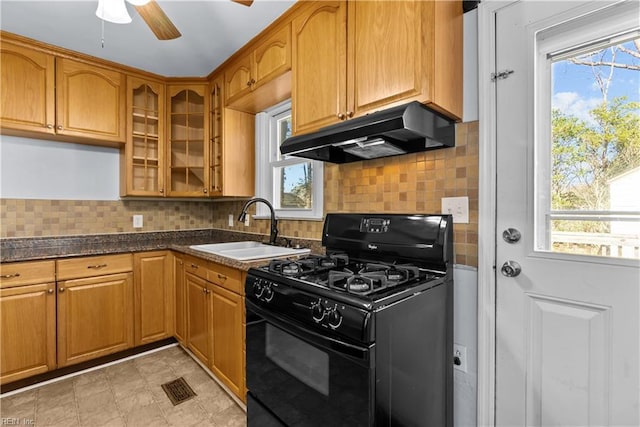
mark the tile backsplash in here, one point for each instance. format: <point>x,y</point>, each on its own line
<point>413,183</point>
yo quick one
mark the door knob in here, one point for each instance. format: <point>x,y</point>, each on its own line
<point>511,235</point>
<point>510,269</point>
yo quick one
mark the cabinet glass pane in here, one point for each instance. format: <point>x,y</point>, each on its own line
<point>187,143</point>
<point>215,146</point>
<point>145,152</point>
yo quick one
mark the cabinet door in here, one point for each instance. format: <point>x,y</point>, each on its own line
<point>227,361</point>
<point>27,331</point>
<point>238,79</point>
<point>272,57</point>
<point>95,317</point>
<point>180,299</point>
<point>385,53</point>
<point>319,66</point>
<point>90,101</point>
<point>143,163</point>
<point>216,133</point>
<point>198,330</point>
<point>153,297</point>
<point>28,89</point>
<point>188,141</point>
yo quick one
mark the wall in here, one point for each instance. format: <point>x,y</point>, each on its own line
<point>412,183</point>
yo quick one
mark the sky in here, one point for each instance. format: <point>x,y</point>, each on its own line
<point>575,89</point>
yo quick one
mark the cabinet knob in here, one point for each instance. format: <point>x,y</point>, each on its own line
<point>249,83</point>
<point>61,290</point>
<point>341,116</point>
<point>59,127</point>
<point>204,190</point>
<point>50,290</point>
<point>161,190</point>
<point>349,114</point>
<point>49,126</point>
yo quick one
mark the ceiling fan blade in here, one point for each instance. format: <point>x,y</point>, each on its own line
<point>158,21</point>
<point>244,2</point>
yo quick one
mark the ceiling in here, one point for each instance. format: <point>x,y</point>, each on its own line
<point>211,30</point>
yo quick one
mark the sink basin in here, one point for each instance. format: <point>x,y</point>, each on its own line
<point>248,250</point>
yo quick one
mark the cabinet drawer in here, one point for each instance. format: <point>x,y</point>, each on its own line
<point>197,267</point>
<point>27,273</point>
<point>94,266</point>
<point>227,277</point>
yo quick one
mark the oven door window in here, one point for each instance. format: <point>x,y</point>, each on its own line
<point>303,382</point>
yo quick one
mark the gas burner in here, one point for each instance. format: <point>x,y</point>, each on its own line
<point>359,283</point>
<point>291,268</point>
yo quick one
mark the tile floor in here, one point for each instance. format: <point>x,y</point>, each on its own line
<point>126,394</point>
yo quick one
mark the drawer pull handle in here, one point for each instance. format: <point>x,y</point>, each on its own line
<point>11,276</point>
<point>194,266</point>
<point>97,266</point>
<point>222,276</point>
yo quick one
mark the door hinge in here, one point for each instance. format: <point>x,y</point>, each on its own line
<point>501,75</point>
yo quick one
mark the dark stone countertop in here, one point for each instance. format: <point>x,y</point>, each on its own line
<point>41,248</point>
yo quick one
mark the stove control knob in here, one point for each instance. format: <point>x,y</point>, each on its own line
<point>317,311</point>
<point>267,293</point>
<point>335,318</point>
<point>258,288</point>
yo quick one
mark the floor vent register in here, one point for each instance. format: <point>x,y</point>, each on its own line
<point>178,391</point>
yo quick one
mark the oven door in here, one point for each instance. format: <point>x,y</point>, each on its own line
<point>297,377</point>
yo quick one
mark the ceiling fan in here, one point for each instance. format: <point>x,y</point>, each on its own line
<point>116,11</point>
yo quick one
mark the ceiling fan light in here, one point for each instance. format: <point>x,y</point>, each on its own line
<point>113,11</point>
<point>138,2</point>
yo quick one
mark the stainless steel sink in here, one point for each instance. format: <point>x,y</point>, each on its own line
<point>248,250</point>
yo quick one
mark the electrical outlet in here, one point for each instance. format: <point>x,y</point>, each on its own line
<point>137,221</point>
<point>246,220</point>
<point>460,357</point>
<point>458,207</point>
<point>230,220</point>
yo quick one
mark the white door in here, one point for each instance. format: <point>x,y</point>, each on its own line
<point>568,325</point>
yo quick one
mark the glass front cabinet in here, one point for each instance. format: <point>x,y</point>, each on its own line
<point>143,165</point>
<point>188,140</point>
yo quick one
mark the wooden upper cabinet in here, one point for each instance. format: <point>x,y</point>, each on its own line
<point>28,89</point>
<point>260,78</point>
<point>188,140</point>
<point>404,51</point>
<point>142,168</point>
<point>319,81</point>
<point>353,58</point>
<point>90,101</point>
<point>231,147</point>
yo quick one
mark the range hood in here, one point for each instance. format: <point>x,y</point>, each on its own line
<point>407,128</point>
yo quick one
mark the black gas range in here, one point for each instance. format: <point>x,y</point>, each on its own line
<point>369,323</point>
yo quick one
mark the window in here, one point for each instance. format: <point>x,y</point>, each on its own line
<point>293,185</point>
<point>588,157</point>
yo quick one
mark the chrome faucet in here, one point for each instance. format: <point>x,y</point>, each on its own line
<point>274,221</point>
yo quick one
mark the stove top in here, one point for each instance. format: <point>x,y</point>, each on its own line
<point>359,278</point>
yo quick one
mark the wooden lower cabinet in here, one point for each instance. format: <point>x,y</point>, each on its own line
<point>198,321</point>
<point>27,331</point>
<point>215,321</point>
<point>153,287</point>
<point>227,360</point>
<point>95,317</point>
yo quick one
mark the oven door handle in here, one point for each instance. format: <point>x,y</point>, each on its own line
<point>356,353</point>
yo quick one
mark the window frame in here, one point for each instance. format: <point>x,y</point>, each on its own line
<point>268,160</point>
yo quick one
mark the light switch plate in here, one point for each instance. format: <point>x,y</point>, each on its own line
<point>137,221</point>
<point>230,220</point>
<point>460,357</point>
<point>458,207</point>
